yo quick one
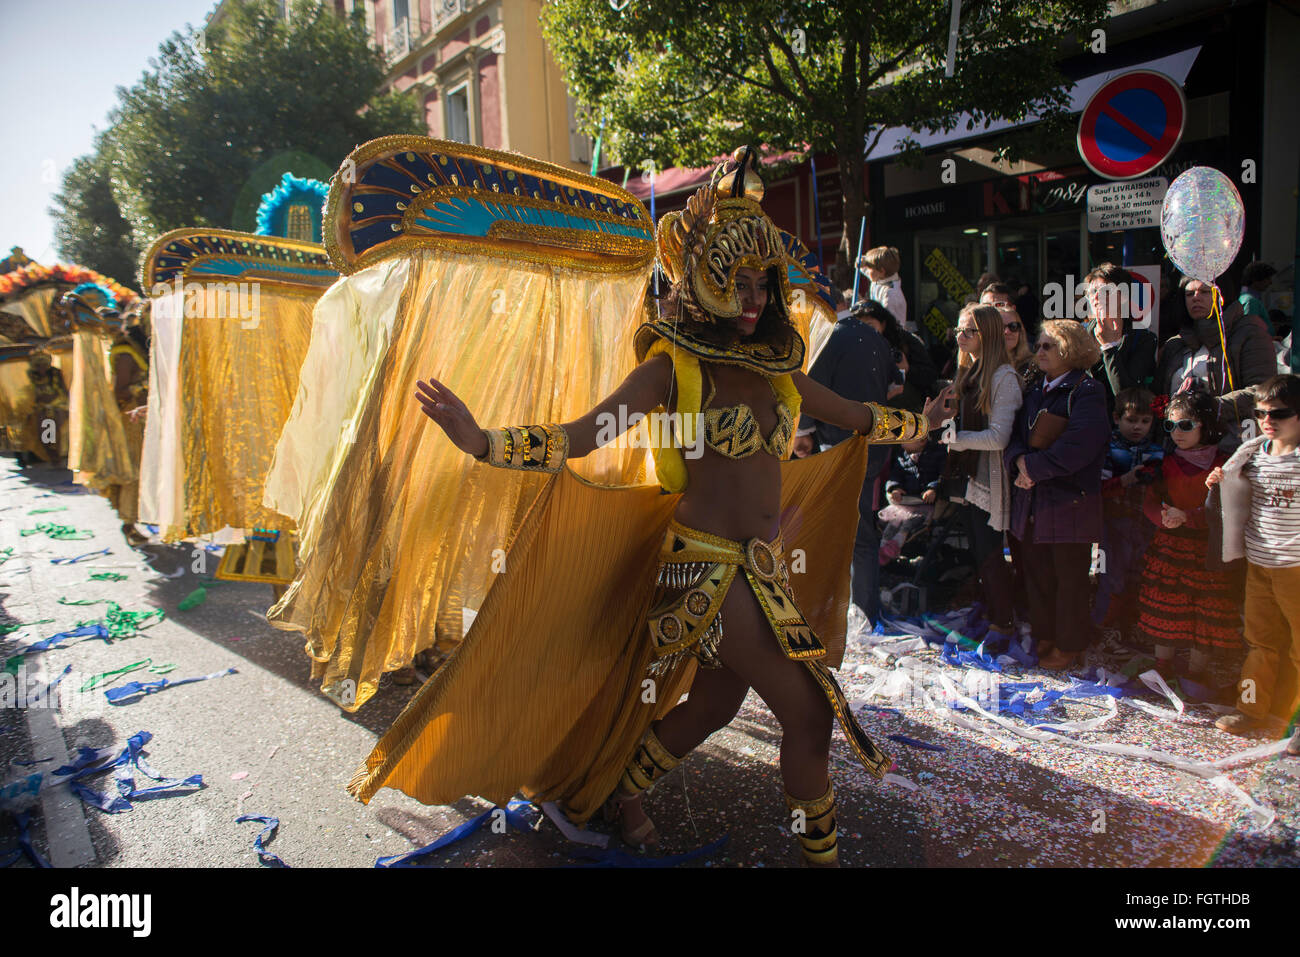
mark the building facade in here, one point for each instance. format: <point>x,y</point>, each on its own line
<point>482,71</point>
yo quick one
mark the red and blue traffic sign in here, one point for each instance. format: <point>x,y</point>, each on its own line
<point>1132,124</point>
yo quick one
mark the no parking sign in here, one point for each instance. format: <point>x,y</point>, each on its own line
<point>1132,124</point>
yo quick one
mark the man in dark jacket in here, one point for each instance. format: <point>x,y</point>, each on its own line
<point>856,362</point>
<point>1195,357</point>
<point>1128,355</point>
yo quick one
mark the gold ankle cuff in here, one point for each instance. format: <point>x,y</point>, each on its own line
<point>815,827</point>
<point>650,762</point>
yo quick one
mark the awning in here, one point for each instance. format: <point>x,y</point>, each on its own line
<point>680,178</point>
<point>1176,66</point>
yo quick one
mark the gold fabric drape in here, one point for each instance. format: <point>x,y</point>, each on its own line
<point>34,306</point>
<point>220,390</point>
<point>400,531</point>
<point>545,694</point>
<point>237,384</point>
<point>98,452</point>
<point>15,402</point>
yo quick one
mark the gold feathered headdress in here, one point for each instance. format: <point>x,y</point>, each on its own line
<point>722,229</point>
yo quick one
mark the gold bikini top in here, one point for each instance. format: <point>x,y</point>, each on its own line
<point>734,431</point>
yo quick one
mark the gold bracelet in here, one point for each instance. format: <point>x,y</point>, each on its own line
<point>528,448</point>
<point>892,426</point>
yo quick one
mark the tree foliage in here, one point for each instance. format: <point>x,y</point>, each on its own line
<point>679,82</point>
<point>89,228</point>
<point>214,108</point>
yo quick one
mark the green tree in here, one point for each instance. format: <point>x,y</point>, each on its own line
<point>214,108</point>
<point>89,227</point>
<point>679,82</point>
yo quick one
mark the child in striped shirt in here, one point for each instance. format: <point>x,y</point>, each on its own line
<point>1261,519</point>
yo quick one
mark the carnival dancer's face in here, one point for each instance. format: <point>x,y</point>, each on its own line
<point>752,291</point>
<point>1282,424</point>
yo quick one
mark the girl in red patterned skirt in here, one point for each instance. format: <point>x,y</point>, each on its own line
<point>1183,602</point>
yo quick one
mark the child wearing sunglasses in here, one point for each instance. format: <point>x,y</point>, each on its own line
<point>1183,602</point>
<point>1260,494</point>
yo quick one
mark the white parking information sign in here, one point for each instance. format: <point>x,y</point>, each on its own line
<point>1134,204</point>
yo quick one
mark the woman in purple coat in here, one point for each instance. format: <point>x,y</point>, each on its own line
<point>1057,459</point>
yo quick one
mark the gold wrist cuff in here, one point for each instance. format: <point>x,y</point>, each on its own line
<point>891,426</point>
<point>529,448</point>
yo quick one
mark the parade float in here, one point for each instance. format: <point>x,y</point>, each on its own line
<point>231,316</point>
<point>36,345</point>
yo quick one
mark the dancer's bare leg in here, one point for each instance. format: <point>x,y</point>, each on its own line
<point>716,695</point>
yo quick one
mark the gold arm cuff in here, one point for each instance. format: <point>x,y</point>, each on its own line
<point>892,426</point>
<point>529,448</point>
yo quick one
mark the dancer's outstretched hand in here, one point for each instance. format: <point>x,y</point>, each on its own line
<point>441,404</point>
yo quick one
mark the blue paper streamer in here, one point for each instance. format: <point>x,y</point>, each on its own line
<point>267,833</point>
<point>461,831</point>
<point>134,690</point>
<point>45,644</point>
<point>914,743</point>
<point>24,848</point>
<point>79,558</point>
<point>94,760</point>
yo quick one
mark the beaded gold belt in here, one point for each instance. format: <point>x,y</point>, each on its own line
<point>696,570</point>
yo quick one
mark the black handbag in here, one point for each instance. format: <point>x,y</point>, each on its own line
<point>960,467</point>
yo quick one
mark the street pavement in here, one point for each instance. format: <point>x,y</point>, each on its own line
<point>266,742</point>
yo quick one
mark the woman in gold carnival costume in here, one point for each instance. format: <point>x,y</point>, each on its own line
<point>724,363</point>
<point>45,436</point>
<point>130,356</point>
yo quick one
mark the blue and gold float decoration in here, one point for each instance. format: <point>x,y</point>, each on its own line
<point>805,274</point>
<point>96,295</point>
<point>400,192</point>
<point>222,255</point>
<point>247,304</point>
<point>294,209</point>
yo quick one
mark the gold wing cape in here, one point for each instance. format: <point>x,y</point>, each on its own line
<point>231,315</point>
<point>517,283</point>
<point>547,694</point>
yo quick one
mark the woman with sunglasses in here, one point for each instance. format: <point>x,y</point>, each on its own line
<point>1182,602</point>
<point>1056,452</point>
<point>985,397</point>
<point>1015,333</point>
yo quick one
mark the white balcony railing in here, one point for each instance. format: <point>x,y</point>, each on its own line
<point>445,11</point>
<point>398,42</point>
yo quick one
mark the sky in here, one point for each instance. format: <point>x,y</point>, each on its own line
<point>61,62</point>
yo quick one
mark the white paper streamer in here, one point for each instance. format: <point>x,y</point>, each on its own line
<point>902,782</point>
<point>577,835</point>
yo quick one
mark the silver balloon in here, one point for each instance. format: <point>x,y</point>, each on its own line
<point>1202,223</point>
